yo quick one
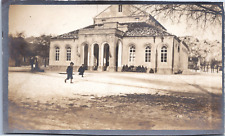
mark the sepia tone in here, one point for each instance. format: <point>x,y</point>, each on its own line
<point>121,36</point>
<point>137,76</point>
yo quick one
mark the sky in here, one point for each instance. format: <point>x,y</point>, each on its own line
<point>35,20</point>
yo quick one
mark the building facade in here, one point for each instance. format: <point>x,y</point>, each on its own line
<point>121,35</point>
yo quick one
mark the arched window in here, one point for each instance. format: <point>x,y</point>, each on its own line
<point>57,53</point>
<point>68,54</point>
<point>132,54</point>
<point>163,54</point>
<point>120,8</point>
<point>148,54</point>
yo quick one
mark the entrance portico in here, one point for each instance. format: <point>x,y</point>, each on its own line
<point>98,57</point>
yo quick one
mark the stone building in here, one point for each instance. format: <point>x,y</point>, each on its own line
<point>121,35</point>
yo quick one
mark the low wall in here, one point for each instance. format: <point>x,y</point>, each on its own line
<point>111,69</point>
<point>62,68</point>
<point>164,71</point>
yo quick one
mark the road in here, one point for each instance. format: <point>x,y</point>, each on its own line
<point>114,101</point>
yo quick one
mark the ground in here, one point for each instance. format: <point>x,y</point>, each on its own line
<point>104,100</point>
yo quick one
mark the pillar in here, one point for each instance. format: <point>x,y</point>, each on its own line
<point>119,57</point>
<point>82,54</point>
<point>91,57</point>
<point>112,65</point>
<point>100,57</point>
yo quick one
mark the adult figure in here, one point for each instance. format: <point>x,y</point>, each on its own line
<point>69,72</point>
<point>32,63</point>
<point>81,70</point>
<point>36,64</point>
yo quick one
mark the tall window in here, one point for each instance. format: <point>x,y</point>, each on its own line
<point>68,54</point>
<point>57,53</point>
<point>132,54</point>
<point>120,8</point>
<point>147,54</point>
<point>163,54</point>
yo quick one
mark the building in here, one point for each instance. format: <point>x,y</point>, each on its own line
<point>121,35</point>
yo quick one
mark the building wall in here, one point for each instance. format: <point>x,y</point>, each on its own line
<point>180,61</point>
<point>113,11</point>
<point>129,14</point>
<point>62,44</point>
<point>183,58</point>
<point>176,53</point>
<point>176,60</point>
<point>121,20</point>
<point>140,43</point>
<point>165,67</point>
<point>156,45</point>
<point>180,57</point>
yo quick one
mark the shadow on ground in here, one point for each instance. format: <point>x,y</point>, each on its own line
<point>132,111</point>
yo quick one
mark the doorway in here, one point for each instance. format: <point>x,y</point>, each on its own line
<point>96,56</point>
<point>86,55</point>
<point>106,57</point>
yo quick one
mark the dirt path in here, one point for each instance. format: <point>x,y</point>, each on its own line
<point>134,111</point>
<point>42,101</point>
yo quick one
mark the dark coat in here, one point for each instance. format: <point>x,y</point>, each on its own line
<point>81,70</point>
<point>69,70</point>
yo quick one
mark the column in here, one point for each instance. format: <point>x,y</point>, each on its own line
<point>91,57</point>
<point>119,56</point>
<point>112,65</point>
<point>82,54</point>
<point>100,57</point>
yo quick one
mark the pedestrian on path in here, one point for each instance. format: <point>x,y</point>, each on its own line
<point>32,63</point>
<point>69,72</point>
<point>81,70</point>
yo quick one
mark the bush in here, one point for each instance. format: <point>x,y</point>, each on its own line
<point>151,71</point>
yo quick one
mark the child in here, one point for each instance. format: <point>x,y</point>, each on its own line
<point>69,72</point>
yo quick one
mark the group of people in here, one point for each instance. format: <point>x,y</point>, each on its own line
<point>125,68</point>
<point>69,72</point>
<point>35,65</point>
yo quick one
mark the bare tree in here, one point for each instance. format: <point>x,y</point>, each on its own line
<point>203,13</point>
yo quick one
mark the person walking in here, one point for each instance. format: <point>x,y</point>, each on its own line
<point>81,70</point>
<point>32,63</point>
<point>69,72</point>
<point>36,64</point>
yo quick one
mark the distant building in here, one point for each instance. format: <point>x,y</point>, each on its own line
<point>121,35</point>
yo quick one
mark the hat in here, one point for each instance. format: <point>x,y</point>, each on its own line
<point>71,63</point>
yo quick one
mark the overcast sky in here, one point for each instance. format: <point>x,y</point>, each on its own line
<point>35,20</point>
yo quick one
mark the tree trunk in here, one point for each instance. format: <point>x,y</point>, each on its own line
<point>45,62</point>
<point>17,62</point>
